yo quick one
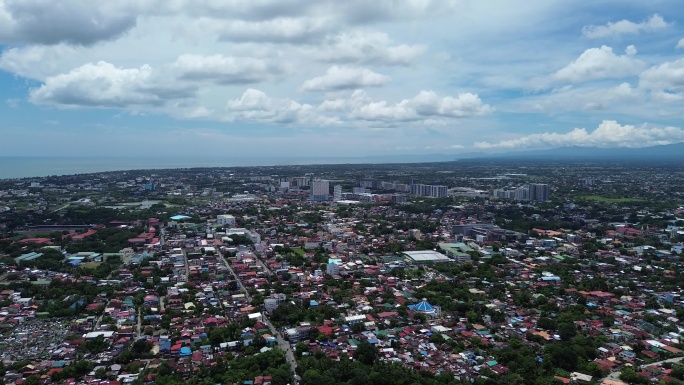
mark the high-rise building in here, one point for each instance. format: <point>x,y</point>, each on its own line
<point>301,181</point>
<point>539,192</point>
<point>367,183</point>
<point>503,194</point>
<point>428,190</point>
<point>522,193</point>
<point>337,193</point>
<point>535,192</point>
<point>320,190</point>
<point>439,191</point>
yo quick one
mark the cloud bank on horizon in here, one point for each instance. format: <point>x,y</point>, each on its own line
<point>390,76</point>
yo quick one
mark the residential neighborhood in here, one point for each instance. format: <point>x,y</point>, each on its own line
<point>492,273</point>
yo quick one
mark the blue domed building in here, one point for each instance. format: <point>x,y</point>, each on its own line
<point>425,308</point>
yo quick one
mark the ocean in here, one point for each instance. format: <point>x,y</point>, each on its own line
<point>38,166</point>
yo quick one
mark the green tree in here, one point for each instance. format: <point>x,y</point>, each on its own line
<point>630,376</point>
<point>567,330</point>
<point>546,323</point>
<point>594,369</point>
<point>366,353</point>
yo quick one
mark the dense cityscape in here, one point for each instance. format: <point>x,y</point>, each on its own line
<point>467,272</point>
<point>297,192</point>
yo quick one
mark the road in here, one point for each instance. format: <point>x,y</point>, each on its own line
<point>282,343</point>
<point>242,287</point>
<point>673,360</point>
<point>99,321</point>
<point>284,346</point>
<point>263,265</point>
<point>138,331</point>
<point>60,208</point>
<point>186,270</point>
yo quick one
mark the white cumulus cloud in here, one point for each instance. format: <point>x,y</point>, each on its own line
<point>277,30</point>
<point>350,11</point>
<point>668,76</point>
<point>87,23</point>
<point>366,47</point>
<point>341,78</point>
<point>358,109</point>
<point>680,43</point>
<point>66,21</point>
<point>225,69</point>
<point>624,27</point>
<point>363,11</point>
<point>256,106</point>
<point>35,61</point>
<point>599,63</point>
<point>608,134</point>
<point>573,99</point>
<point>425,104</point>
<point>104,85</point>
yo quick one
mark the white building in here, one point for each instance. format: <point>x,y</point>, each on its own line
<point>252,235</point>
<point>333,269</point>
<point>273,301</point>
<point>226,220</point>
<point>337,193</point>
<point>427,190</point>
<point>320,189</point>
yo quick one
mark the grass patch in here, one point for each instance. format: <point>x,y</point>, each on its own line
<point>299,251</point>
<point>599,198</point>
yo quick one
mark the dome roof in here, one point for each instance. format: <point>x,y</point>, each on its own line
<point>424,306</point>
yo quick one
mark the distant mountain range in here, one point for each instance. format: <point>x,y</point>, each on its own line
<point>664,152</point>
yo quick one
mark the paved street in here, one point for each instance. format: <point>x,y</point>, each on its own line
<point>282,343</point>
<point>673,360</point>
<point>138,331</point>
<point>235,277</point>
<point>263,266</point>
<point>284,346</point>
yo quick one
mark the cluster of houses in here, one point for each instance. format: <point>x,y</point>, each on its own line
<point>180,284</point>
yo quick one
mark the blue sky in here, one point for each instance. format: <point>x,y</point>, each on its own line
<point>337,78</point>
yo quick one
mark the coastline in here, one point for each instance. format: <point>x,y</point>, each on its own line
<point>17,167</point>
